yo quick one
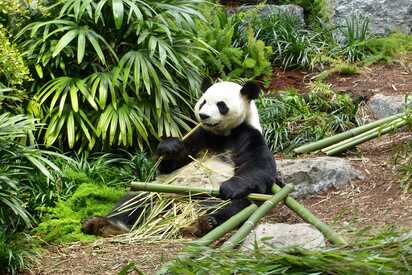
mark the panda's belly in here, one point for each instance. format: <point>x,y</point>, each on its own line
<point>207,171</point>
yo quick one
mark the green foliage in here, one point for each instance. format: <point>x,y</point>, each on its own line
<point>16,252</point>
<point>384,49</point>
<point>314,9</point>
<point>291,119</point>
<point>293,45</point>
<point>392,255</point>
<point>115,73</point>
<point>355,34</point>
<point>62,223</point>
<point>341,68</point>
<point>231,57</point>
<point>13,71</point>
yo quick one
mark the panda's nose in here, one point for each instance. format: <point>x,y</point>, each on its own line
<point>203,116</point>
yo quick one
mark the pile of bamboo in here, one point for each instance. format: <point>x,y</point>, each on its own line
<point>339,143</point>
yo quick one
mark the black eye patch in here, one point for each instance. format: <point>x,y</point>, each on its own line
<point>223,109</point>
<point>201,105</point>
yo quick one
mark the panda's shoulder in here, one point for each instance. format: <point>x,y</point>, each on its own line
<point>245,131</point>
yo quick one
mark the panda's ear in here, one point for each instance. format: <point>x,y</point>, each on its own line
<point>250,90</point>
<point>206,83</point>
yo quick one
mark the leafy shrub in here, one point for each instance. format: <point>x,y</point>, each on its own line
<point>13,71</point>
<point>62,223</point>
<point>293,45</point>
<point>384,49</point>
<point>291,119</point>
<point>16,252</point>
<point>355,33</point>
<point>234,55</point>
<point>115,73</point>
<point>314,9</point>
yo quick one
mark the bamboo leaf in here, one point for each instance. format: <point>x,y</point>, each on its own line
<point>64,41</point>
<point>70,130</point>
<point>118,12</point>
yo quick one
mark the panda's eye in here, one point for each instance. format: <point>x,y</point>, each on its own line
<point>223,109</point>
<point>201,105</point>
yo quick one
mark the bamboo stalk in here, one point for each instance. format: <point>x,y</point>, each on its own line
<point>226,227</point>
<point>346,141</point>
<point>345,135</point>
<point>187,190</point>
<point>242,233</point>
<point>355,141</point>
<point>306,215</point>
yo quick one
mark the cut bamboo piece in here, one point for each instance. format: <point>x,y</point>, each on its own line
<point>226,227</point>
<point>345,135</point>
<point>187,190</point>
<point>242,233</point>
<point>306,215</point>
<point>356,140</point>
<point>367,133</point>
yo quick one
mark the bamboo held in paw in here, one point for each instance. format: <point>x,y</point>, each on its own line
<point>187,190</point>
<point>241,234</point>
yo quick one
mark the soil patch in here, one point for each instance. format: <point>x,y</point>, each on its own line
<point>291,79</point>
<point>388,79</point>
<point>105,257</point>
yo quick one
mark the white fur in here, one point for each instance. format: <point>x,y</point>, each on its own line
<point>240,108</point>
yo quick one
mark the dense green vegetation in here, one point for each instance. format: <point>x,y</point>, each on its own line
<point>88,86</point>
<point>291,119</point>
<point>388,253</point>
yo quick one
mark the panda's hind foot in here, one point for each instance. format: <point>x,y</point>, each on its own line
<point>103,226</point>
<point>200,227</point>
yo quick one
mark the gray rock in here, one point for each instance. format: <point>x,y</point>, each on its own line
<point>385,16</point>
<point>315,175</point>
<point>283,235</point>
<point>265,10</point>
<point>383,106</point>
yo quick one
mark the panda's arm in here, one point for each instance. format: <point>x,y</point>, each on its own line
<point>255,168</point>
<point>176,153</point>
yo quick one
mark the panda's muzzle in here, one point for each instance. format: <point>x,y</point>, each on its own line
<point>210,124</point>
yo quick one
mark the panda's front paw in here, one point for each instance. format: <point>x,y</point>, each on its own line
<point>170,148</point>
<point>233,190</point>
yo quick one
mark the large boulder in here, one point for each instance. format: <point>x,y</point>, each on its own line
<point>265,10</point>
<point>314,175</point>
<point>385,16</point>
<point>281,235</point>
<point>383,105</point>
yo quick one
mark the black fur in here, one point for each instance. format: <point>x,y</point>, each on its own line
<point>255,168</point>
<point>250,90</point>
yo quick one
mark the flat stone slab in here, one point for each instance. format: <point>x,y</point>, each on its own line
<point>384,105</point>
<point>314,175</point>
<point>280,235</point>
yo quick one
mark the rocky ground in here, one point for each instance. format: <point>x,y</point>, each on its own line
<point>374,201</point>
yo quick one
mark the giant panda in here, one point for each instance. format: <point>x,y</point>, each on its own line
<point>231,135</point>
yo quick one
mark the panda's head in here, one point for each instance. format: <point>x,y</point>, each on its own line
<point>226,105</point>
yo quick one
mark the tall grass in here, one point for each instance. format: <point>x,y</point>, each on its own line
<point>291,119</point>
<point>391,255</point>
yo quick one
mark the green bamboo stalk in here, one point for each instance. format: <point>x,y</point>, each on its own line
<point>306,148</point>
<point>241,234</point>
<point>355,141</point>
<point>226,227</point>
<point>306,215</point>
<point>367,133</point>
<point>213,235</point>
<point>187,190</point>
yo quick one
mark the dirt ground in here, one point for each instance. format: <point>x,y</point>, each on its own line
<point>375,201</point>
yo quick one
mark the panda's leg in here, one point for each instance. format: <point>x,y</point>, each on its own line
<point>206,223</point>
<point>118,221</point>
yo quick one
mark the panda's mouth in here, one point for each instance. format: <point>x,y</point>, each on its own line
<point>211,124</point>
